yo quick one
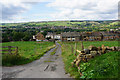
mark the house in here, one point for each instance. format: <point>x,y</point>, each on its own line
<point>49,35</point>
<point>92,36</point>
<point>89,36</point>
<point>110,35</point>
<point>57,36</point>
<point>38,37</point>
<point>71,36</point>
<point>53,36</point>
<point>84,36</point>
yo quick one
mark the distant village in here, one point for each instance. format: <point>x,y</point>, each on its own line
<point>78,36</point>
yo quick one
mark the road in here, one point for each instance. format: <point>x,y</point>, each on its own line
<point>48,66</point>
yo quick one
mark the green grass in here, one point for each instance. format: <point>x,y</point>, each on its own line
<point>48,61</point>
<point>27,52</point>
<point>104,66</point>
<point>54,51</point>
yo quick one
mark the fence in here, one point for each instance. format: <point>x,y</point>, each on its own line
<point>9,49</point>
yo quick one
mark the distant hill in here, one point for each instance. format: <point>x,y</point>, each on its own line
<point>93,25</point>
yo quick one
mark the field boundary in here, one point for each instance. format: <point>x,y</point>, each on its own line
<point>9,50</point>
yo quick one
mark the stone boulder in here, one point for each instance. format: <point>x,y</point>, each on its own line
<point>87,51</point>
<point>78,63</point>
<point>93,53</point>
<point>93,48</point>
<point>99,48</point>
<point>113,48</point>
<point>88,56</point>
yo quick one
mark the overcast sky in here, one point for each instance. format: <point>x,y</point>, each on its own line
<point>49,10</point>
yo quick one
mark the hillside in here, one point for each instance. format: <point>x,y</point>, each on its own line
<point>79,24</point>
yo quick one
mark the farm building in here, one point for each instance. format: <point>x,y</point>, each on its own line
<point>38,37</point>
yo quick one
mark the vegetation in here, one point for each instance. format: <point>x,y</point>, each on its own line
<point>18,34</point>
<point>104,66</point>
<point>27,52</point>
<point>54,51</point>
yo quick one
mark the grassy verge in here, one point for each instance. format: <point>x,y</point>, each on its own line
<point>27,52</point>
<point>54,51</point>
<point>104,66</point>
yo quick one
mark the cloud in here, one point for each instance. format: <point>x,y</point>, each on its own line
<point>85,9</point>
<point>11,9</point>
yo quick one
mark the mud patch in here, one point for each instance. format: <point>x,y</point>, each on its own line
<point>53,67</point>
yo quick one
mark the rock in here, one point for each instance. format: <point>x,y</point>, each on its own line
<point>108,48</point>
<point>84,58</point>
<point>90,47</point>
<point>99,52</point>
<point>99,48</point>
<point>116,48</point>
<point>79,58</point>
<point>103,49</point>
<point>75,60</point>
<point>88,56</point>
<point>93,53</point>
<point>83,52</point>
<point>78,63</point>
<point>79,55</point>
<point>93,48</point>
<point>102,46</point>
<point>87,51</point>
<point>113,48</point>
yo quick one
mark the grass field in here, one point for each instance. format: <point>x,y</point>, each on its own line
<point>104,66</point>
<point>27,52</point>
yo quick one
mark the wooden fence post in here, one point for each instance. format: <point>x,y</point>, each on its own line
<point>9,49</point>
<point>16,50</point>
<point>82,45</point>
<point>72,49</point>
<point>75,48</point>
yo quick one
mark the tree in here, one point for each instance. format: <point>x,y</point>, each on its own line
<point>27,36</point>
<point>17,36</point>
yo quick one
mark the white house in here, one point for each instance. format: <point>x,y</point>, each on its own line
<point>55,36</point>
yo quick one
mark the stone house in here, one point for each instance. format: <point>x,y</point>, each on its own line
<point>71,36</point>
<point>110,35</point>
<point>38,37</point>
<point>92,36</point>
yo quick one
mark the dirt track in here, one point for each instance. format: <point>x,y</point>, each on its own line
<point>48,66</point>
